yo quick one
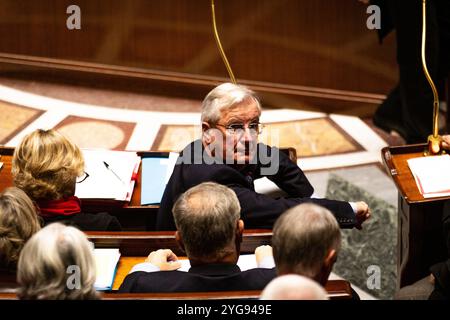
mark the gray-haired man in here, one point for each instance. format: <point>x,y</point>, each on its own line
<point>209,229</point>
<point>229,153</point>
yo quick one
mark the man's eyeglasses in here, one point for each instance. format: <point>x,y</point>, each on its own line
<point>82,178</point>
<point>239,128</point>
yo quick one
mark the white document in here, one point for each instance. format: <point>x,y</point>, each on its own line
<point>245,262</point>
<point>269,188</point>
<point>108,182</point>
<point>106,264</point>
<point>432,175</point>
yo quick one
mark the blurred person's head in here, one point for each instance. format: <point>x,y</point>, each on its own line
<point>46,165</point>
<point>230,123</point>
<point>306,240</point>
<point>293,287</point>
<point>18,222</point>
<point>57,263</point>
<point>208,223</point>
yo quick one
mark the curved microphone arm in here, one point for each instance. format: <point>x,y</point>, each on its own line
<point>434,140</point>
<point>219,45</point>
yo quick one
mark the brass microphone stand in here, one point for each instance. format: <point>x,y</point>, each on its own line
<point>434,140</point>
<point>219,45</point>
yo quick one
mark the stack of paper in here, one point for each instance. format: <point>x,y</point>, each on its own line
<point>432,175</point>
<point>106,265</point>
<point>111,175</point>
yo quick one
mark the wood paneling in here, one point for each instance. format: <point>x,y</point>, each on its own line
<point>321,43</point>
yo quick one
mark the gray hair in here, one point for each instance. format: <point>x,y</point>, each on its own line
<point>225,96</point>
<point>302,238</point>
<point>43,268</point>
<point>293,287</point>
<point>206,216</point>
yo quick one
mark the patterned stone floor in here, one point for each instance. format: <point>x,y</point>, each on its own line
<point>372,247</point>
<point>375,245</point>
<point>322,141</point>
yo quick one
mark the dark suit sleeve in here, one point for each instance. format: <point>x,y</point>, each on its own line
<point>261,211</point>
<point>289,177</point>
<point>128,283</point>
<point>257,210</point>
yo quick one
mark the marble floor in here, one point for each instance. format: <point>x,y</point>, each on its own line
<point>374,247</point>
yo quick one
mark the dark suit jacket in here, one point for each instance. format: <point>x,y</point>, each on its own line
<point>257,210</point>
<point>101,221</point>
<point>213,277</point>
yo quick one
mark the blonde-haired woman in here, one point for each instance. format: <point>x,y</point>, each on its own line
<point>18,222</point>
<point>47,166</point>
<point>57,263</point>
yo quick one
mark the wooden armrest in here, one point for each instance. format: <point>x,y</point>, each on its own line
<point>8,296</point>
<point>142,243</point>
<point>247,294</point>
<point>337,290</point>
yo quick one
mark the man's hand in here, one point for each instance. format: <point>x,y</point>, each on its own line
<point>431,279</point>
<point>165,259</point>
<point>262,252</point>
<point>362,214</point>
<point>446,142</point>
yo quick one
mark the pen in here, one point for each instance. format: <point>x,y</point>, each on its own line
<point>107,167</point>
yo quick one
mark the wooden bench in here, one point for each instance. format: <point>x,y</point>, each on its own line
<point>337,290</point>
<point>142,243</point>
<point>135,247</point>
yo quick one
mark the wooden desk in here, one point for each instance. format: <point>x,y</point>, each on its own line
<point>135,247</point>
<point>142,243</point>
<point>123,269</point>
<point>420,243</point>
<point>337,290</point>
<point>132,216</point>
<point>5,172</point>
<point>6,180</point>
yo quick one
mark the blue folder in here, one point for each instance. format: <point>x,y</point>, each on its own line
<point>153,179</point>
